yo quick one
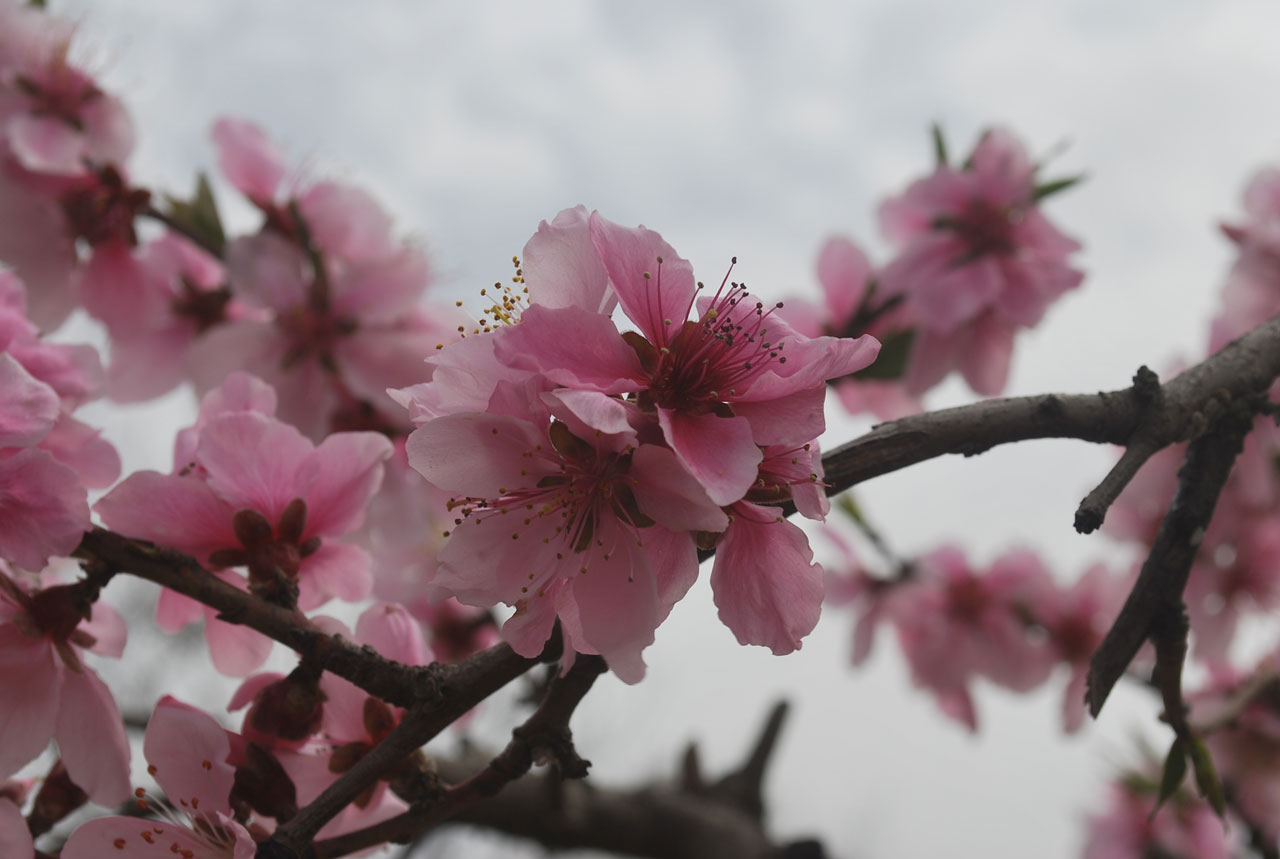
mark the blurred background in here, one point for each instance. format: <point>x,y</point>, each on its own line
<point>758,129</point>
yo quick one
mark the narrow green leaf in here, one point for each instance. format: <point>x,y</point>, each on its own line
<point>199,216</point>
<point>892,362</point>
<point>1175,770</point>
<point>849,507</point>
<point>1048,189</point>
<point>939,146</point>
<point>1207,777</point>
<point>37,4</point>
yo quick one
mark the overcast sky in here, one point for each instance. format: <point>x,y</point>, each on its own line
<point>757,129</point>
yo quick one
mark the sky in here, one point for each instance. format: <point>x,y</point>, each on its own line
<point>757,129</point>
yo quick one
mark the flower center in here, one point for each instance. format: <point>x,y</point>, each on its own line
<point>714,359</point>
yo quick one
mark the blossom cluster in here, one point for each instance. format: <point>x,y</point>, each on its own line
<point>590,463</point>
<point>1010,623</point>
<point>976,260</point>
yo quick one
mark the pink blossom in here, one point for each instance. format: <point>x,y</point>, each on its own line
<point>188,753</point>
<point>54,119</point>
<point>1076,620</point>
<point>15,837</point>
<point>253,492</point>
<point>955,625</point>
<point>1251,294</point>
<point>977,261</point>
<point>338,298</point>
<point>719,386</point>
<point>1184,828</point>
<point>42,637</point>
<point>848,310</point>
<point>155,302</point>
<point>571,518</point>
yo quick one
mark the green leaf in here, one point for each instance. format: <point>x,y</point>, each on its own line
<point>199,216</point>
<point>1048,189</point>
<point>36,4</point>
<point>1175,770</point>
<point>939,146</point>
<point>892,362</point>
<point>849,507</point>
<point>1207,777</point>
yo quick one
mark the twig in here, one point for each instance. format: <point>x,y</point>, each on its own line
<point>1154,606</point>
<point>547,730</point>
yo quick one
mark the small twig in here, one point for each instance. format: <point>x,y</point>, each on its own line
<point>744,787</point>
<point>403,740</point>
<point>1154,606</point>
<point>545,731</point>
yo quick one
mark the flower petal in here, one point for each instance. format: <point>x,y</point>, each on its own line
<point>91,738</point>
<point>766,585</point>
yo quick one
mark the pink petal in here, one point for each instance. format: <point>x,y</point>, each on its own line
<point>670,495</point>
<point>118,289</point>
<point>35,243</point>
<point>91,738</point>
<point>591,414</point>
<point>347,469</point>
<point>480,455</point>
<point>334,570</point>
<point>791,419</point>
<point>650,292</point>
<point>985,363</point>
<point>1073,708</point>
<point>108,629</point>
<point>82,448</point>
<point>481,565</point>
<point>28,407</point>
<point>843,271</point>
<point>766,585</point>
<point>810,363</point>
<point>44,510</point>
<point>343,710</point>
<point>250,688</point>
<point>573,347</point>
<point>268,270</point>
<point>97,838</point>
<point>529,628</point>
<point>175,610</point>
<point>463,376</point>
<point>720,452</point>
<point>182,512</point>
<point>27,719</point>
<point>248,158</point>
<point>384,289</point>
<point>237,651</point>
<point>389,629</point>
<point>561,266</point>
<point>346,221</point>
<point>15,838</point>
<point>255,462</point>
<point>189,751</point>
<point>46,145</point>
<point>618,605</point>
<point>149,365</point>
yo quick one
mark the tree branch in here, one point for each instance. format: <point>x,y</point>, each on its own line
<point>1154,607</point>
<point>659,821</point>
<point>1146,414</point>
